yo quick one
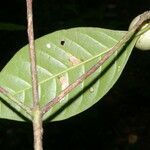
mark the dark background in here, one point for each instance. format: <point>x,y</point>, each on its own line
<point>121,120</point>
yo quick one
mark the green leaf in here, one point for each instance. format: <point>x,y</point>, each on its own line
<point>62,57</point>
<point>11,26</point>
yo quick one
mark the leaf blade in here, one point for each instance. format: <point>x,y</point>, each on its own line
<point>61,64</point>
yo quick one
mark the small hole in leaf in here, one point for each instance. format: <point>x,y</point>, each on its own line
<point>48,45</point>
<point>91,89</point>
<point>62,42</point>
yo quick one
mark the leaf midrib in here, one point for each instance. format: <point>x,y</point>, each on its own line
<point>66,70</point>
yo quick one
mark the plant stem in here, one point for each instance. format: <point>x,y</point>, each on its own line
<point>145,16</point>
<point>32,53</point>
<point>37,117</point>
<point>16,101</point>
<point>37,128</point>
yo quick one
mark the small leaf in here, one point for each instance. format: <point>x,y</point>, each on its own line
<point>61,63</point>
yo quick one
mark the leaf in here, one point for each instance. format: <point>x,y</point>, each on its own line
<point>62,57</point>
<point>11,26</point>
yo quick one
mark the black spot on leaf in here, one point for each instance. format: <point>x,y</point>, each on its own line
<point>62,42</point>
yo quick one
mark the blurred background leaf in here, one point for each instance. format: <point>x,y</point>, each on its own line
<point>11,26</point>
